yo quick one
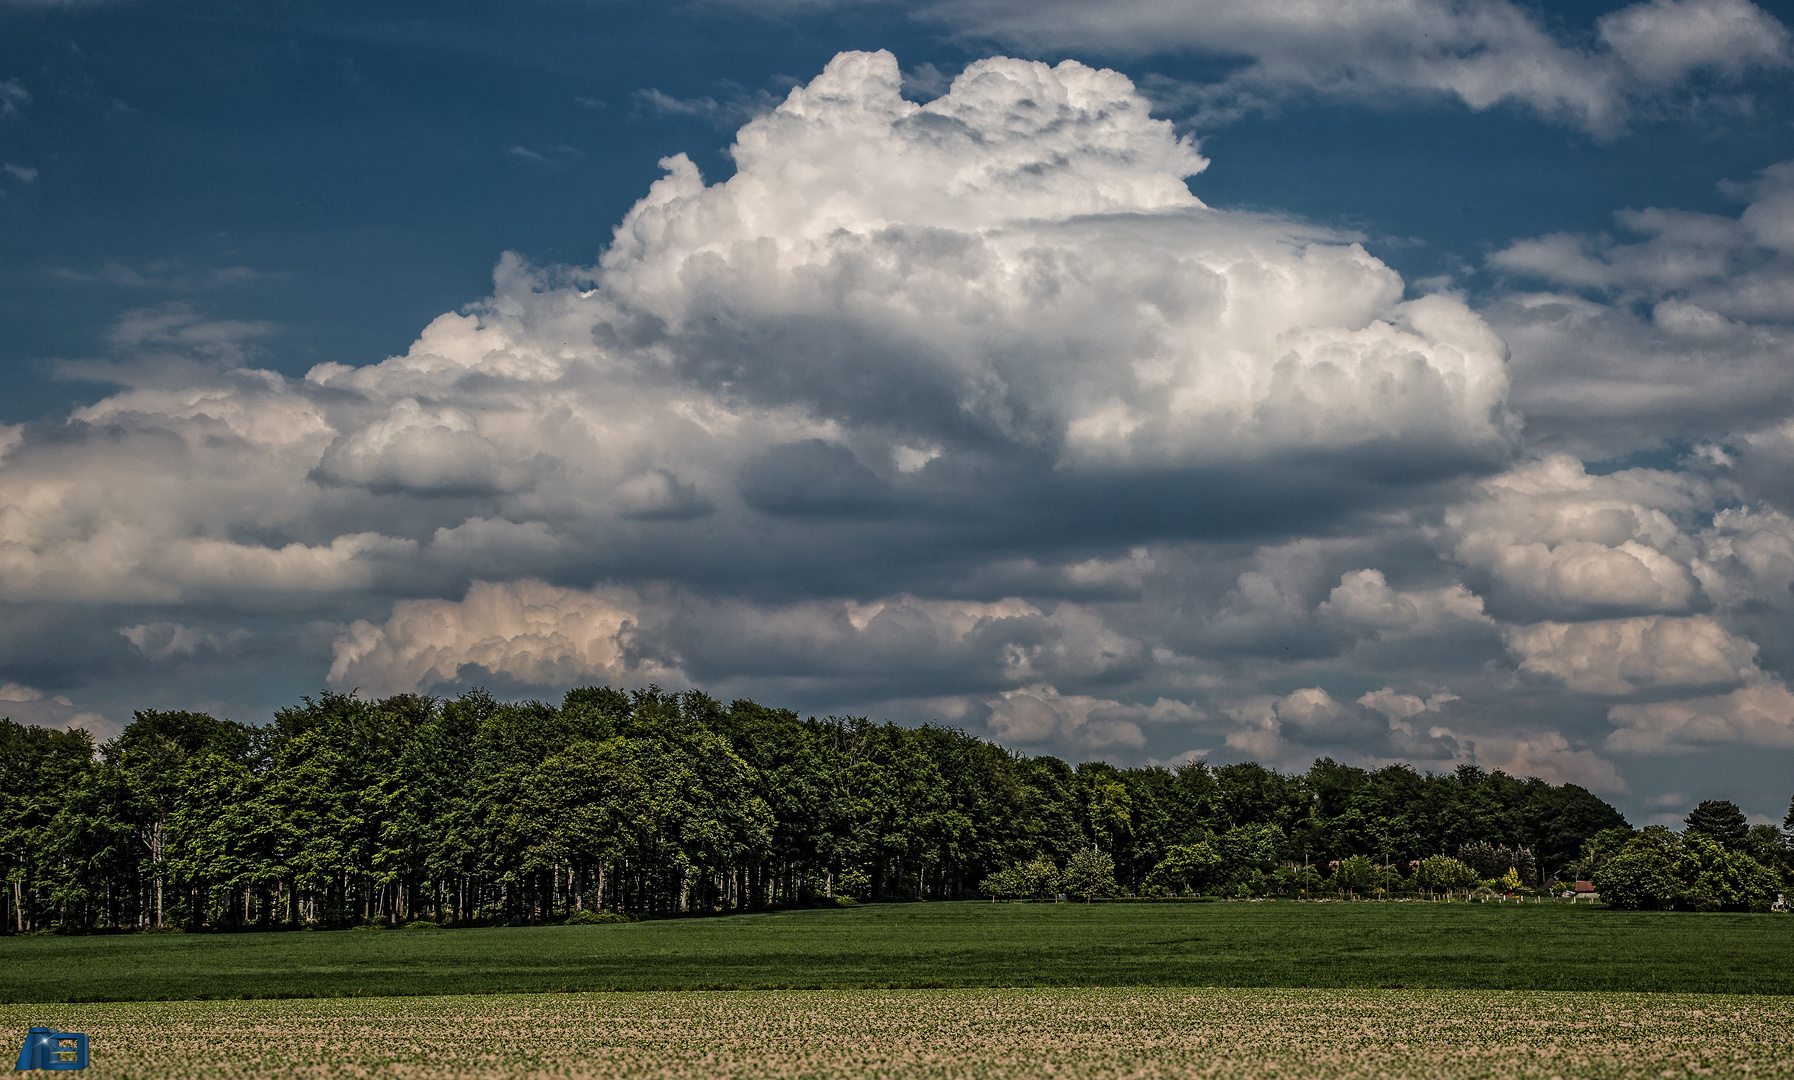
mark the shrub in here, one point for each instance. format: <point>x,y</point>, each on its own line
<point>856,883</point>
<point>1641,878</point>
<point>1249,847</point>
<point>1037,878</point>
<point>1492,862</point>
<point>1090,875</point>
<point>1690,872</point>
<point>596,918</point>
<point>1714,879</point>
<point>1187,866</point>
<point>1354,873</point>
<point>1444,872</point>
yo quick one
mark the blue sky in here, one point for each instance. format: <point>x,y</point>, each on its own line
<point>1442,416</point>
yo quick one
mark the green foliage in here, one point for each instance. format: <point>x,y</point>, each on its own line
<point>1714,879</point>
<point>1690,872</point>
<point>1719,819</point>
<point>1596,851</point>
<point>1249,847</point>
<point>1641,878</point>
<point>1090,875</point>
<point>1353,874</point>
<point>1188,868</point>
<point>347,812</point>
<point>1036,879</point>
<point>856,883</point>
<point>1493,861</point>
<point>1444,873</point>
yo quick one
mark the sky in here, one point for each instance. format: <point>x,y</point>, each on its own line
<point>1154,381</point>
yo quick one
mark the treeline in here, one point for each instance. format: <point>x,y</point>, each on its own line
<point>346,811</point>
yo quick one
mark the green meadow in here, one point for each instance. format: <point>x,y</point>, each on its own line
<point>965,944</point>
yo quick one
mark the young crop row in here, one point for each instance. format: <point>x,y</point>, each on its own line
<point>999,1034</point>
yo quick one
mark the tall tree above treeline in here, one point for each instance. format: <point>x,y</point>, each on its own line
<point>346,810</point>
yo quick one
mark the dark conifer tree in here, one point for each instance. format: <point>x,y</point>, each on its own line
<point>1720,819</point>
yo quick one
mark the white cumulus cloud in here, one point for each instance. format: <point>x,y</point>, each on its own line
<point>1618,656</point>
<point>1554,535</point>
<point>529,631</point>
<point>1761,714</point>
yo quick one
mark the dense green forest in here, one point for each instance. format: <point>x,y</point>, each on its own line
<point>346,811</point>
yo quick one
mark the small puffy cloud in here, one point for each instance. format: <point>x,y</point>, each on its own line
<point>1127,574</point>
<point>658,495</point>
<point>528,631</point>
<point>1480,54</point>
<point>164,641</point>
<point>13,98</point>
<point>1749,557</point>
<point>1399,707</point>
<point>1761,714</point>
<point>1418,725</point>
<point>1363,600</point>
<point>1551,757</point>
<point>1770,215</point>
<point>1387,725</point>
<point>423,451</point>
<point>1682,332</point>
<point>180,329</point>
<point>1553,536</point>
<point>1281,730</point>
<point>1661,41</point>
<point>1272,605</point>
<point>1618,656</point>
<point>732,111</point>
<point>1762,464</point>
<point>1039,714</point>
<point>30,706</point>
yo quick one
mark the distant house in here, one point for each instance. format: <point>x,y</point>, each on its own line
<point>1584,890</point>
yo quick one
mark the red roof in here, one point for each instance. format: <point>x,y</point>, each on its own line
<point>1585,886</point>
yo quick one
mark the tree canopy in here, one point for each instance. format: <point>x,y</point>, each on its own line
<point>346,810</point>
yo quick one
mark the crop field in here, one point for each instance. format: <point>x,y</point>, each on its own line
<point>1466,946</point>
<point>1014,1033</point>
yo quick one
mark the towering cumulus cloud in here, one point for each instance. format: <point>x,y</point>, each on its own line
<point>965,409</point>
<point>1019,266</point>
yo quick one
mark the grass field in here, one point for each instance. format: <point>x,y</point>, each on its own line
<point>1072,1034</point>
<point>1467,946</point>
